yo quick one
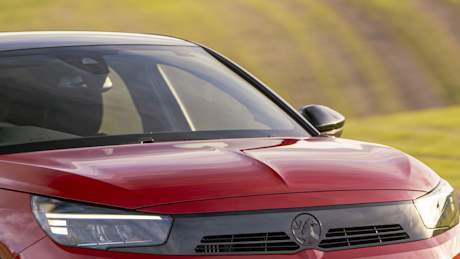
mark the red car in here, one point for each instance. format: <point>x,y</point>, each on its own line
<point>116,145</point>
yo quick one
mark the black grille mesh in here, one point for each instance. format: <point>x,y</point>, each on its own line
<point>259,242</point>
<point>347,237</point>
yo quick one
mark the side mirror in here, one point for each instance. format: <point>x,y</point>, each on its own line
<point>324,119</point>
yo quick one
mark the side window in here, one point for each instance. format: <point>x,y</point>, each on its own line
<point>119,114</point>
<point>205,106</point>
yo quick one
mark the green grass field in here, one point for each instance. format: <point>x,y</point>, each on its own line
<point>360,57</point>
<point>432,136</point>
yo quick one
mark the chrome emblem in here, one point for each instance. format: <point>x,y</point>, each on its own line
<point>306,229</point>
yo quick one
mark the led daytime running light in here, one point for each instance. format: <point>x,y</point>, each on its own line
<point>101,216</point>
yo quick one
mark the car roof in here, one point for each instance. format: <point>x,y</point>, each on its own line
<point>49,39</point>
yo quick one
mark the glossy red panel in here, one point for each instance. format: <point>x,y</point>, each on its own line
<point>19,229</point>
<point>446,245</point>
<point>290,200</point>
<point>141,175</point>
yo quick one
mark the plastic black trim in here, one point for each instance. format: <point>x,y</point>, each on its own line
<point>189,229</point>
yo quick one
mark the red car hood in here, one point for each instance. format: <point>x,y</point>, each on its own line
<point>141,175</point>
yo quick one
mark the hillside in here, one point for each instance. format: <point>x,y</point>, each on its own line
<point>359,57</point>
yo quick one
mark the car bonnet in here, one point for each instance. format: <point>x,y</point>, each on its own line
<point>141,175</point>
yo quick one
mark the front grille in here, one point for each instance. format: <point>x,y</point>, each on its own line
<point>259,242</point>
<point>347,237</point>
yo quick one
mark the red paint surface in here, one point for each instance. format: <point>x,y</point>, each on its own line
<point>134,176</point>
<point>19,229</point>
<point>446,245</point>
<point>290,200</point>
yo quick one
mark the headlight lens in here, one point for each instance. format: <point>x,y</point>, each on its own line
<point>72,224</point>
<point>438,208</point>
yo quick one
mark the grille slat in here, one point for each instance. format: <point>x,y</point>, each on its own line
<point>245,242</point>
<point>361,235</point>
<point>258,242</point>
<point>347,237</point>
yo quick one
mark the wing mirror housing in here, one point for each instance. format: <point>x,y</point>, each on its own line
<point>324,119</point>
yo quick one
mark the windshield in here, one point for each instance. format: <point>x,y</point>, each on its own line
<point>59,96</point>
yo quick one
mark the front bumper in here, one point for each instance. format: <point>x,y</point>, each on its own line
<point>445,245</point>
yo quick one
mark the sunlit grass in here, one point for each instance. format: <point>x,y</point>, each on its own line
<point>425,38</point>
<point>302,34</point>
<point>23,15</point>
<point>433,136</point>
<point>328,21</point>
<point>453,1</point>
<point>292,45</point>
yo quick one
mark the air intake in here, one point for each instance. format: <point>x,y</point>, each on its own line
<point>260,242</point>
<point>348,237</point>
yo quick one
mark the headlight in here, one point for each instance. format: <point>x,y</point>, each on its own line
<point>438,208</point>
<point>72,224</point>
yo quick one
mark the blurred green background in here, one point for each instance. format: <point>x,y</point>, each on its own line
<point>392,67</point>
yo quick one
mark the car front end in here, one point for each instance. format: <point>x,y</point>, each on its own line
<point>124,145</point>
